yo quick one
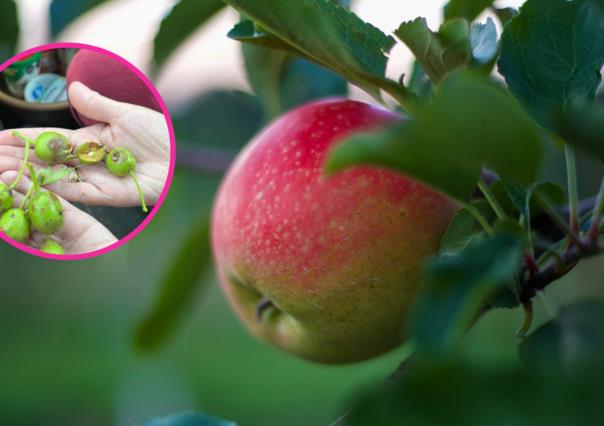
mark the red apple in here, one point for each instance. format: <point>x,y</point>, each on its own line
<point>323,267</point>
<point>109,77</point>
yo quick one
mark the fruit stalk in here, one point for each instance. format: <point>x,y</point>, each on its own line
<point>28,142</point>
<point>596,217</point>
<point>140,191</point>
<point>573,201</point>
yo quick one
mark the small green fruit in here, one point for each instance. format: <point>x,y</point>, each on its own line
<point>120,162</point>
<point>6,198</point>
<point>45,212</point>
<point>53,147</point>
<point>91,152</point>
<point>15,224</point>
<point>52,247</point>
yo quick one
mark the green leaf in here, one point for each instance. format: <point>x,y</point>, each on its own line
<point>177,289</point>
<point>523,198</point>
<point>583,125</point>
<point>471,124</point>
<point>246,31</point>
<point>457,288</point>
<point>419,83</point>
<point>552,53</point>
<point>281,81</point>
<point>49,175</point>
<point>327,34</point>
<point>483,42</point>
<point>468,9</point>
<point>63,12</point>
<point>464,229</point>
<point>9,29</point>
<point>187,419</point>
<point>185,18</point>
<point>439,53</point>
<point>572,342</point>
<point>457,393</point>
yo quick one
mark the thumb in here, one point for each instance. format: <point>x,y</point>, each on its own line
<point>94,105</point>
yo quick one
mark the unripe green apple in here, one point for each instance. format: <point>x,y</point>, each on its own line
<point>323,267</point>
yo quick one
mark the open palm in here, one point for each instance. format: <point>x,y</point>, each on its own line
<point>142,131</point>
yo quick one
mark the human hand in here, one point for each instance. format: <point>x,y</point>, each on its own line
<point>80,233</point>
<point>141,130</point>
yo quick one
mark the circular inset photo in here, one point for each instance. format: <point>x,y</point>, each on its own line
<point>87,151</point>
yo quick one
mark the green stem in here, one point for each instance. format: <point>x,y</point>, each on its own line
<point>594,231</point>
<point>140,192</point>
<point>22,205</point>
<point>558,220</point>
<point>34,177</point>
<point>25,158</point>
<point>573,199</point>
<point>528,318</point>
<point>490,197</point>
<point>480,219</point>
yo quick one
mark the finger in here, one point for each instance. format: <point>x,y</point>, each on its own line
<point>7,137</point>
<point>83,192</point>
<point>16,153</point>
<point>94,105</point>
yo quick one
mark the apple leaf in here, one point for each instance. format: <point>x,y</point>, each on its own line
<point>583,125</point>
<point>458,287</point>
<point>187,419</point>
<point>552,53</point>
<point>468,9</point>
<point>483,42</point>
<point>186,16</point>
<point>177,290</point>
<point>282,81</point>
<point>9,29</point>
<point>63,12</point>
<point>460,393</point>
<point>419,83</point>
<point>439,53</point>
<point>472,123</point>
<point>246,31</point>
<point>327,34</point>
<point>49,175</point>
<point>573,341</point>
<point>523,197</point>
<point>464,229</point>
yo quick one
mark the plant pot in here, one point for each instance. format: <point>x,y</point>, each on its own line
<point>17,113</point>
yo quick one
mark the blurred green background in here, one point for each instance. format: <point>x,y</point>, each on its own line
<point>66,329</point>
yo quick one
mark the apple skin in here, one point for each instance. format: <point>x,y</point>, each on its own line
<point>339,257</point>
<point>111,79</point>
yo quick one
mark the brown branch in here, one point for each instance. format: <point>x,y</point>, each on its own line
<point>551,273</point>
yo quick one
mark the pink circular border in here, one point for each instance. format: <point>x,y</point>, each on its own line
<point>168,183</point>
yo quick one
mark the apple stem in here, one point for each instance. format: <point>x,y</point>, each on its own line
<point>140,192</point>
<point>571,171</point>
<point>490,197</point>
<point>480,219</point>
<point>264,304</point>
<point>34,178</point>
<point>31,189</point>
<point>527,305</point>
<point>25,158</point>
<point>558,220</point>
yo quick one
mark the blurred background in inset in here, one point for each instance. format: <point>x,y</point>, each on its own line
<point>66,351</point>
